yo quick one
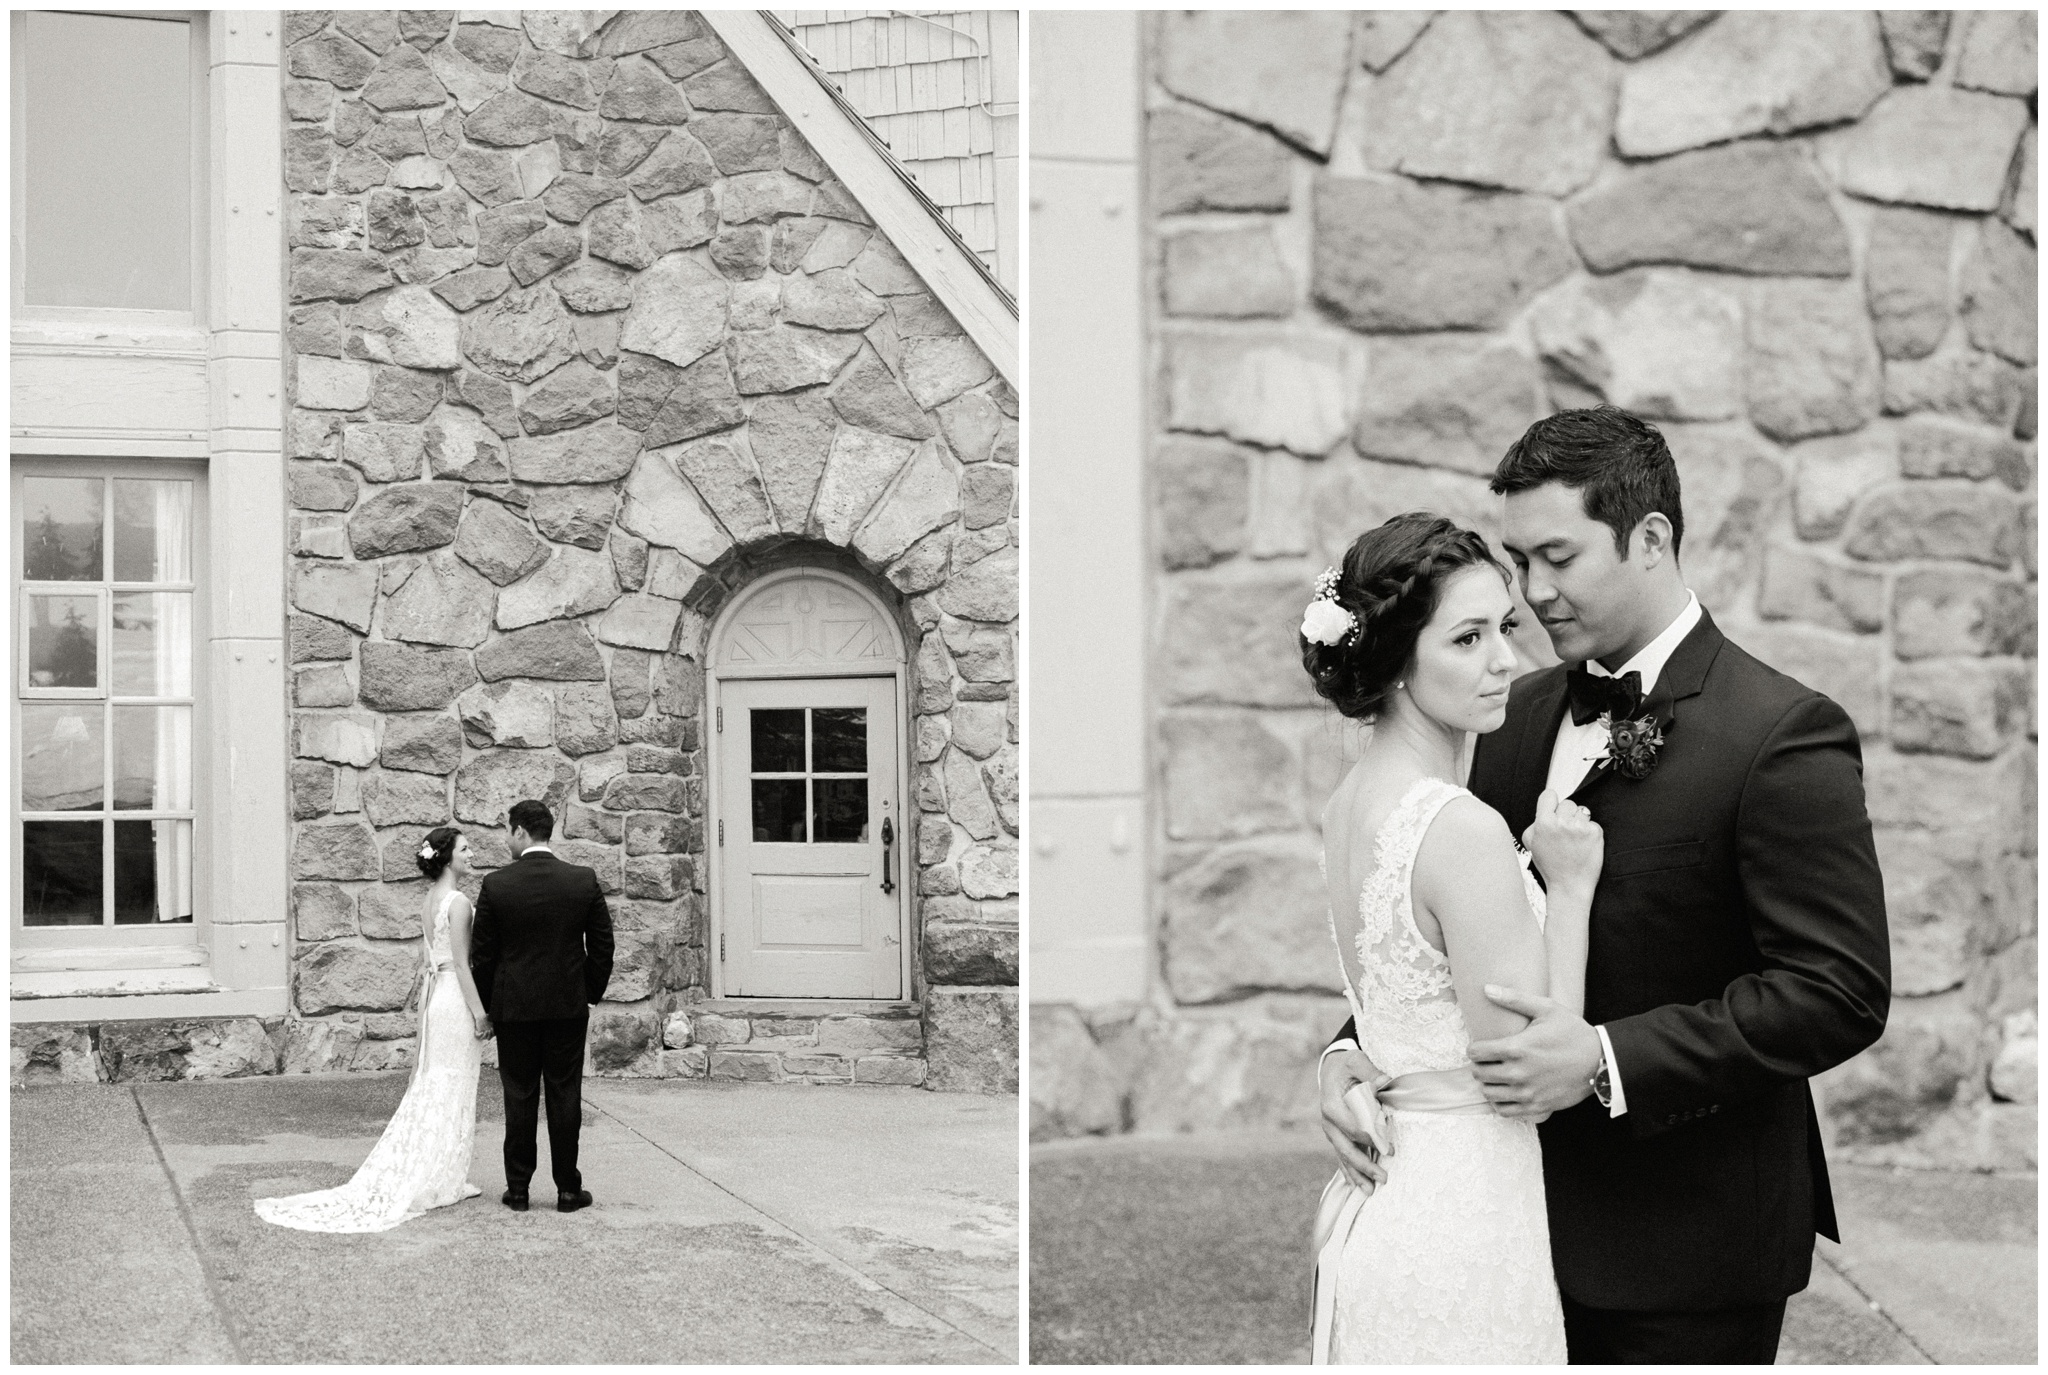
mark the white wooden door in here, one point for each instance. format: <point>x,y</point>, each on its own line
<point>810,838</point>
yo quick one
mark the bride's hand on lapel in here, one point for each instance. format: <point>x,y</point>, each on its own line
<point>1357,1156</point>
<point>1568,846</point>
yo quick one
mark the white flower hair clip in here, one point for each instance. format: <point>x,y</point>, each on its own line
<point>426,849</point>
<point>1325,622</point>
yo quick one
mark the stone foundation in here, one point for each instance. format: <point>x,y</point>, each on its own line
<point>145,1051</point>
<point>1803,245</point>
<point>733,1040</point>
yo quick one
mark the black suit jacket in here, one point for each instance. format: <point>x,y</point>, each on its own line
<point>1738,947</point>
<point>540,948</point>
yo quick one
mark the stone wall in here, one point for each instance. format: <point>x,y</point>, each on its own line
<point>1381,245</point>
<point>582,337</point>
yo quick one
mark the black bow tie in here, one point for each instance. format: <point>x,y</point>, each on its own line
<point>1594,693</point>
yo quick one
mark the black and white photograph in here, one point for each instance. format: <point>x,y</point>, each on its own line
<point>1531,679</point>
<point>515,540</point>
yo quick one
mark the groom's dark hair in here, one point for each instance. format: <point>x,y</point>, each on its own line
<point>534,818</point>
<point>1619,466</point>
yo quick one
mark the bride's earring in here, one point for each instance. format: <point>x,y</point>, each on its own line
<point>1398,686</point>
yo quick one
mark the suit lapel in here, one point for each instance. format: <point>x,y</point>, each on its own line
<point>1532,759</point>
<point>1685,673</point>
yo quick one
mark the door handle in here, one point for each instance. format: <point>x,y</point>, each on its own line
<point>888,839</point>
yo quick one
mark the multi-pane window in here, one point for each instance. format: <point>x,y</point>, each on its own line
<point>104,180</point>
<point>105,603</point>
<point>809,771</point>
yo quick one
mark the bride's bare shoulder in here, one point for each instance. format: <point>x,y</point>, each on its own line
<point>1465,835</point>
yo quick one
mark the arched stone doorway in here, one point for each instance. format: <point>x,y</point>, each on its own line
<point>811,860</point>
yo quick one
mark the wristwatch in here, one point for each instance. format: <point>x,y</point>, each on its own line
<point>1602,1086</point>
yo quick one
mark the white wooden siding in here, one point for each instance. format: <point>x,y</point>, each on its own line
<point>929,83</point>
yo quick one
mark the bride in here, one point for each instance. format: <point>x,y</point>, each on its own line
<point>1431,901</point>
<point>422,1159</point>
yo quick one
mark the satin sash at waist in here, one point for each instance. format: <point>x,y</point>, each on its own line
<point>1435,1090</point>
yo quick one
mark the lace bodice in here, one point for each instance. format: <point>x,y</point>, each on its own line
<point>439,952</point>
<point>1407,1011</point>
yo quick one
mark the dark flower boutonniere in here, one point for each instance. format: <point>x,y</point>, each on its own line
<point>1631,745</point>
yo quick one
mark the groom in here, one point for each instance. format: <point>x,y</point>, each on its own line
<point>1738,942</point>
<point>540,951</point>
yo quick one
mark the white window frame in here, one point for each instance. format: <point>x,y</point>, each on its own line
<point>208,389</point>
<point>57,947</point>
<point>191,320</point>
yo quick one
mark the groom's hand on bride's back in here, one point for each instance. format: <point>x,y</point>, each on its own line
<point>1356,1156</point>
<point>1545,1067</point>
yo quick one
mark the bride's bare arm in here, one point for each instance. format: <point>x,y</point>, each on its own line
<point>458,945</point>
<point>1564,940</point>
<point>1569,850</point>
<point>1468,879</point>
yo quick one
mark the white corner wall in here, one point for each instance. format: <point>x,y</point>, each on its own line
<point>1090,926</point>
<point>212,391</point>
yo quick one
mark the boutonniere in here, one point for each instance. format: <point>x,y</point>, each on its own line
<point>1631,745</point>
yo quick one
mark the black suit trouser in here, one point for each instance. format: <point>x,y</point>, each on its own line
<point>530,1055</point>
<point>1720,1336</point>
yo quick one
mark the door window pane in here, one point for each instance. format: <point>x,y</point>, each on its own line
<point>842,810</point>
<point>839,742</point>
<point>778,740</point>
<point>152,531</point>
<point>60,528</point>
<point>108,176</point>
<point>152,644</point>
<point>62,883</point>
<point>153,759</point>
<point>779,809</point>
<point>63,757</point>
<point>63,641</point>
<point>152,872</point>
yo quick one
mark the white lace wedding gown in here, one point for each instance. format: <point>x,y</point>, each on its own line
<point>422,1159</point>
<point>1448,1262</point>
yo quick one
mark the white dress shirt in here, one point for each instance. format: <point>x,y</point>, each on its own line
<point>1572,756</point>
<point>1576,747</point>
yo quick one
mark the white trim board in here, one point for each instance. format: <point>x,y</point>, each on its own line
<point>233,1002</point>
<point>980,307</point>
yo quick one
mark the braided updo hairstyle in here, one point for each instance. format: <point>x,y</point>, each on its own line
<point>441,842</point>
<point>1392,579</point>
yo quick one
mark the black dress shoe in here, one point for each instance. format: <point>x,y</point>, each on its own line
<point>569,1203</point>
<point>515,1199</point>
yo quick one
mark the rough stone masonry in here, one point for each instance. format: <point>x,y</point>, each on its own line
<point>1381,245</point>
<point>582,337</point>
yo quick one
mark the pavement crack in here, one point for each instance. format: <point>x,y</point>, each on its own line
<point>800,1235</point>
<point>206,1271</point>
<point>1848,1278</point>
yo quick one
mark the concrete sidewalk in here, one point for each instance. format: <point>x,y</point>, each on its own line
<point>1194,1250</point>
<point>734,1223</point>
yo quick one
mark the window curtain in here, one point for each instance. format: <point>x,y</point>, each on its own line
<point>174,679</point>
